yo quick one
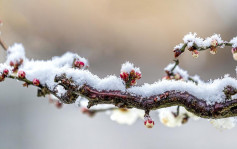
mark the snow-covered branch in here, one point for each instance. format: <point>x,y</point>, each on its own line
<point>68,79</point>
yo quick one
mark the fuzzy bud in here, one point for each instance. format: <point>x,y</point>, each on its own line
<point>21,74</point>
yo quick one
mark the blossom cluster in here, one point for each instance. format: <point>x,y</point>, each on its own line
<point>130,74</point>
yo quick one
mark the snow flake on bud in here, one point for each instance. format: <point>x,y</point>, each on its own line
<point>21,74</point>
<point>130,74</point>
<point>177,50</point>
<point>36,82</point>
<point>148,122</point>
<point>195,53</point>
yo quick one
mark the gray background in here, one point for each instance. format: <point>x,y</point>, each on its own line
<point>109,32</point>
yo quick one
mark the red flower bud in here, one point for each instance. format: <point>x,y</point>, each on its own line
<point>77,63</point>
<point>177,52</point>
<point>81,65</point>
<point>12,63</point>
<point>149,123</point>
<point>138,75</point>
<point>36,82</point>
<point>5,72</point>
<point>21,74</point>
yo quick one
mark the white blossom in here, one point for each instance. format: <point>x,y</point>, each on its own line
<point>126,116</point>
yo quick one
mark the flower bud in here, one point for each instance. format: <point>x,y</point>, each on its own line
<point>36,82</point>
<point>21,74</point>
<point>81,65</point>
<point>195,53</point>
<point>149,123</point>
<point>213,50</point>
<point>5,72</point>
<point>177,52</point>
<point>77,63</point>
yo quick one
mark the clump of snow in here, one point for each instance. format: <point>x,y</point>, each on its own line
<point>128,67</point>
<point>211,92</point>
<point>15,53</point>
<point>82,102</point>
<point>60,90</point>
<point>191,39</point>
<point>179,46</point>
<point>208,41</point>
<point>234,42</point>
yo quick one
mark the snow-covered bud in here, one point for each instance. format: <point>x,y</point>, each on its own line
<point>21,74</point>
<point>79,64</point>
<point>195,53</point>
<point>2,77</point>
<point>36,82</point>
<point>130,74</point>
<point>234,52</point>
<point>5,72</point>
<point>148,122</point>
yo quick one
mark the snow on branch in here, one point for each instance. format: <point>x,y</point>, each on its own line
<point>177,97</point>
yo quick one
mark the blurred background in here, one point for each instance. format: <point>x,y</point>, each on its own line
<point>108,33</point>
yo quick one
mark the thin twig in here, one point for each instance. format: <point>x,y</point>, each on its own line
<point>4,46</point>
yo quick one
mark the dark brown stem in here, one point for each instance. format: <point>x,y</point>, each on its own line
<point>170,98</point>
